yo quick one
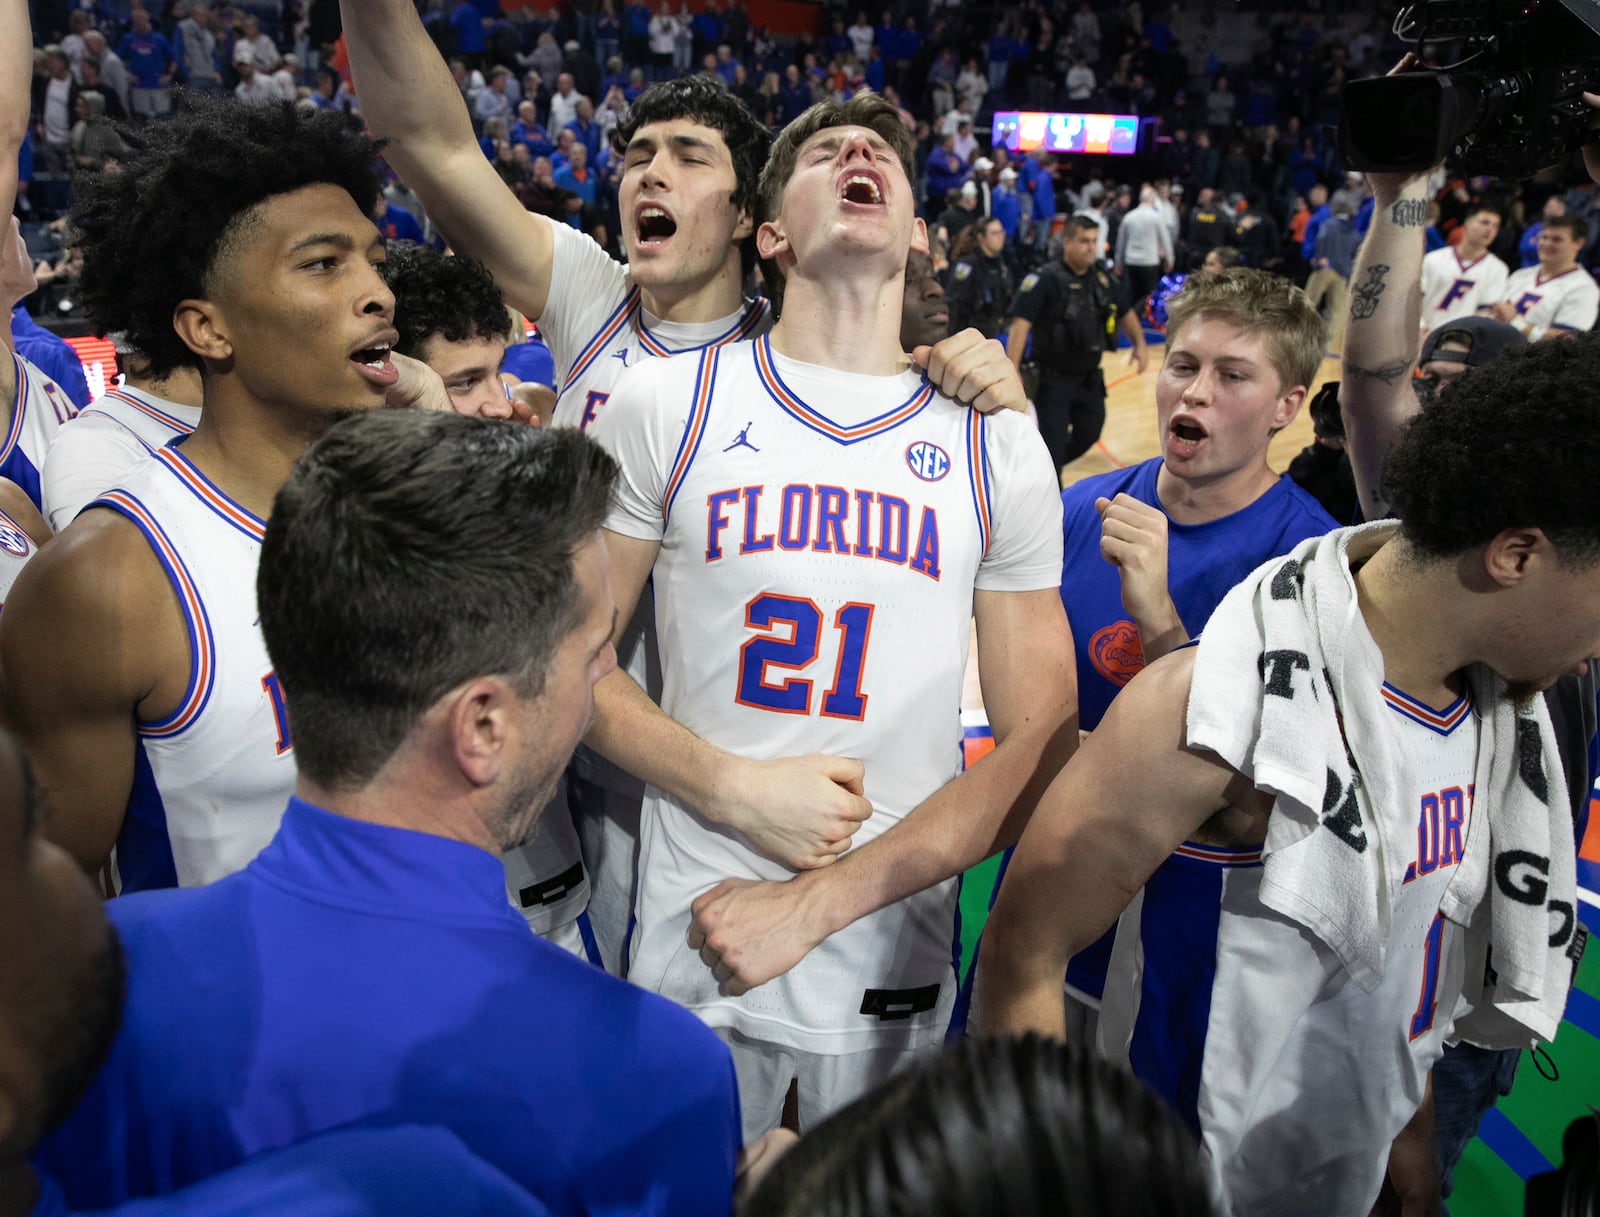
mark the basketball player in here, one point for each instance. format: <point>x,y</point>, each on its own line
<point>1150,551</point>
<point>1460,280</point>
<point>1558,296</point>
<point>35,405</point>
<point>116,431</point>
<point>691,155</point>
<point>134,666</point>
<point>821,526</point>
<point>1317,801</point>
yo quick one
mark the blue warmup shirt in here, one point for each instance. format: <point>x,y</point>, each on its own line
<point>373,1172</point>
<point>356,973</point>
<point>51,354</point>
<point>1204,562</point>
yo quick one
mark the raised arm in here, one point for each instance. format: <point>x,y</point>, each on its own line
<point>750,932</point>
<point>1380,343</point>
<point>409,99</point>
<point>801,811</point>
<point>1131,795</point>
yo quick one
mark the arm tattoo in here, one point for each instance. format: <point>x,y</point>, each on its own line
<point>1388,373</point>
<point>1365,295</point>
<point>1409,213</point>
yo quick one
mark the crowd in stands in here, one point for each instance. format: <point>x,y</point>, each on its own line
<point>1236,131</point>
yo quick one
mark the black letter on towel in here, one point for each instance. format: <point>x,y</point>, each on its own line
<point>1280,683</point>
<point>1286,584</point>
<point>1345,823</point>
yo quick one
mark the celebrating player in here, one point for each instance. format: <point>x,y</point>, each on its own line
<point>692,154</point>
<point>821,525</point>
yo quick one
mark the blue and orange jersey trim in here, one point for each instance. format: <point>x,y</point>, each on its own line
<point>1442,721</point>
<point>792,404</point>
<point>620,316</point>
<point>705,384</point>
<point>247,522</point>
<point>1220,855</point>
<point>749,321</point>
<point>978,474</point>
<point>202,647</point>
<point>149,411</point>
<point>19,411</point>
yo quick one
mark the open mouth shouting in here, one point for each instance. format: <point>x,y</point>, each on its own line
<point>863,187</point>
<point>1184,435</point>
<point>372,359</point>
<point>654,225</point>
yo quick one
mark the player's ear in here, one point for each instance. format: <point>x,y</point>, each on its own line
<point>771,239</point>
<point>744,227</point>
<point>202,329</point>
<point>919,236</point>
<point>1507,556</point>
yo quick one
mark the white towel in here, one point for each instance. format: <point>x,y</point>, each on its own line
<point>1279,693</point>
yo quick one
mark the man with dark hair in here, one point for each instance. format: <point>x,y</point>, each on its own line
<point>434,595</point>
<point>451,316</point>
<point>924,315</point>
<point>855,523</point>
<point>1338,805</point>
<point>1072,309</point>
<point>691,155</point>
<point>236,241</point>
<point>981,284</point>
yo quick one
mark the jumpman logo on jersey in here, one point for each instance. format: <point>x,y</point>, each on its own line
<point>622,355</point>
<point>743,439</point>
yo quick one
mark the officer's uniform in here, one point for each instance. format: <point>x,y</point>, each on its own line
<point>980,294</point>
<point>1073,319</point>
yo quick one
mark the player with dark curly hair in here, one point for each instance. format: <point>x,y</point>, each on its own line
<point>236,239</point>
<point>1339,806</point>
<point>452,317</point>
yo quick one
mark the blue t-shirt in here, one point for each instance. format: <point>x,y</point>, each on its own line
<point>398,224</point>
<point>147,57</point>
<point>51,354</point>
<point>408,1171</point>
<point>359,973</point>
<point>1204,563</point>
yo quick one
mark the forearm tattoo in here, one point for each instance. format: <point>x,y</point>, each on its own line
<point>1365,295</point>
<point>1388,373</point>
<point>1409,213</point>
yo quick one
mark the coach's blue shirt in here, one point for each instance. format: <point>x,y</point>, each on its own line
<point>374,1172</point>
<point>357,973</point>
<point>1204,562</point>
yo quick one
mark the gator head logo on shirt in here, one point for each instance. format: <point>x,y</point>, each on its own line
<point>928,461</point>
<point>1116,652</point>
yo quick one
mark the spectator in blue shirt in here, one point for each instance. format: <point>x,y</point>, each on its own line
<point>585,130</point>
<point>946,171</point>
<point>578,176</point>
<point>706,26</point>
<point>151,62</point>
<point>366,967</point>
<point>1320,213</point>
<point>794,95</point>
<point>466,23</point>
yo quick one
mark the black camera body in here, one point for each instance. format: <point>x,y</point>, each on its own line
<point>1509,106</point>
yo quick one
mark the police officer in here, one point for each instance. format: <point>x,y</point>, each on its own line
<point>981,284</point>
<point>1072,308</point>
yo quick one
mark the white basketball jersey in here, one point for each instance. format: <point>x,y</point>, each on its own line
<point>112,434</point>
<point>1567,301</point>
<point>212,778</point>
<point>1294,1078</point>
<point>1452,288</point>
<point>821,537</point>
<point>38,409</point>
<point>596,327</point>
<point>16,547</point>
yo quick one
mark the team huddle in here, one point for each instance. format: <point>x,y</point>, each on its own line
<point>341,693</point>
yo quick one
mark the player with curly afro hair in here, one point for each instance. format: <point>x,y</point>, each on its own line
<point>237,239</point>
<point>154,233</point>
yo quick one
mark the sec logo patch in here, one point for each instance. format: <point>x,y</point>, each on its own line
<point>1116,652</point>
<point>13,539</point>
<point>928,461</point>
